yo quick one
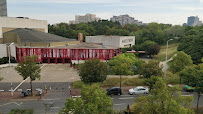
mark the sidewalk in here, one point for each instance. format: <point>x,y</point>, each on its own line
<point>7,65</point>
<point>6,96</point>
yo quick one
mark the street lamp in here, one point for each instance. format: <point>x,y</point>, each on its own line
<point>9,54</point>
<point>166,57</point>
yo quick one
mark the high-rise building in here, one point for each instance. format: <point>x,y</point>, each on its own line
<point>194,21</point>
<point>125,19</point>
<point>84,19</point>
<point>3,8</point>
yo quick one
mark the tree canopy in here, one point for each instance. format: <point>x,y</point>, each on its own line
<point>162,101</point>
<point>28,68</point>
<point>94,100</point>
<point>192,43</point>
<point>125,64</point>
<point>93,71</point>
<point>180,62</point>
<point>151,68</point>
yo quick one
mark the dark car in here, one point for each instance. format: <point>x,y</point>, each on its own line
<point>114,91</point>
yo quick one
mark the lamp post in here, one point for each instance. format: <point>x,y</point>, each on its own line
<point>166,58</point>
<point>9,54</point>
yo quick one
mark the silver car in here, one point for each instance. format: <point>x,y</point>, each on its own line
<point>138,90</point>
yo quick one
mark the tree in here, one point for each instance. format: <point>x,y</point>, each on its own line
<point>180,62</point>
<point>193,76</point>
<point>151,68</point>
<point>162,101</point>
<point>28,68</point>
<point>93,101</point>
<point>152,47</point>
<point>125,64</point>
<point>151,81</point>
<point>93,71</point>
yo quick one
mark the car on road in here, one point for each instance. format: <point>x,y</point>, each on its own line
<point>190,88</point>
<point>138,90</point>
<point>114,91</point>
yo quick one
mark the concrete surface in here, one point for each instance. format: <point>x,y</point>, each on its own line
<point>49,73</point>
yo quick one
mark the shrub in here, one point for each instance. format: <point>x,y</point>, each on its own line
<point>21,111</point>
<point>77,84</point>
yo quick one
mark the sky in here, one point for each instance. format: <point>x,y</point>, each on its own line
<point>55,11</point>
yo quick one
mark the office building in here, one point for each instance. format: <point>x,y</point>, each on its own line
<point>3,8</point>
<point>126,19</point>
<point>11,23</point>
<point>115,41</point>
<point>84,19</point>
<point>194,21</point>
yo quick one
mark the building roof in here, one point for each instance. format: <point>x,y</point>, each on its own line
<point>83,45</point>
<point>31,35</point>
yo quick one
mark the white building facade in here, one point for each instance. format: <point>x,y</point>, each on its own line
<point>11,23</point>
<point>125,19</point>
<point>115,41</point>
<point>84,19</point>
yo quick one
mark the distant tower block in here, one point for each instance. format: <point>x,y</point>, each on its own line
<point>80,37</point>
<point>3,8</point>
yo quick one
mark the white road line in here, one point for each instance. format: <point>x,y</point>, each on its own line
<point>51,99</point>
<point>127,98</point>
<point>12,103</point>
<point>121,104</point>
<point>55,107</point>
<point>187,95</point>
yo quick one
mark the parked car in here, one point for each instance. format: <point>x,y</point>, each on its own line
<point>190,88</point>
<point>138,90</point>
<point>114,91</point>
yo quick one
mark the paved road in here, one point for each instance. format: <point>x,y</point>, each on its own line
<point>58,97</point>
<point>121,102</point>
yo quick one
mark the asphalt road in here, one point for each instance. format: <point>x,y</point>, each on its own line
<point>121,102</point>
<point>58,95</point>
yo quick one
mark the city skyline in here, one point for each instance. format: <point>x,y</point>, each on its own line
<point>160,11</point>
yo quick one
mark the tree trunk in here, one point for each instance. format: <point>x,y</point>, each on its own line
<point>31,86</point>
<point>180,81</point>
<point>198,96</point>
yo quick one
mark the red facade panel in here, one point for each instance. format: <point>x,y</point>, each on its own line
<point>63,55</point>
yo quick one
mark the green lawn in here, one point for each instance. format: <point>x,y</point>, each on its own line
<point>172,49</point>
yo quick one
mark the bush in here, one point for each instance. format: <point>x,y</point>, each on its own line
<point>21,111</point>
<point>134,82</point>
<point>5,60</point>
<point>172,78</point>
<point>77,84</point>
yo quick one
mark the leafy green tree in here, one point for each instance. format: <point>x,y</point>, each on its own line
<point>28,68</point>
<point>93,101</point>
<point>93,71</point>
<point>180,62</point>
<point>151,81</point>
<point>193,76</point>
<point>125,64</point>
<point>162,101</point>
<point>192,44</point>
<point>152,47</point>
<point>151,68</point>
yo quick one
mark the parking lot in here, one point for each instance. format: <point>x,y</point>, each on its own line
<point>49,73</point>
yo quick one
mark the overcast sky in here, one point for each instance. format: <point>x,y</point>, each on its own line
<point>56,11</point>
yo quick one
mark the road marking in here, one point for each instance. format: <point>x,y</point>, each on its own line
<point>127,98</point>
<point>187,95</point>
<point>121,104</point>
<point>12,103</point>
<point>55,107</point>
<point>51,99</point>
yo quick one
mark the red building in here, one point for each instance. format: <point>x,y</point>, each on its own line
<point>65,54</point>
